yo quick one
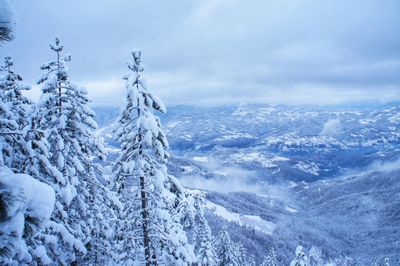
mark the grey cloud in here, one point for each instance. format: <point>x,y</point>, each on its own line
<point>221,51</point>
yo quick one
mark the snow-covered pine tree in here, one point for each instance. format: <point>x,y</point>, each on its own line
<point>241,255</point>
<point>271,258</point>
<point>190,206</point>
<point>8,133</point>
<point>301,258</point>
<point>202,238</point>
<point>228,252</point>
<point>78,222</point>
<point>315,256</point>
<point>149,233</point>
<point>39,166</point>
<point>12,86</point>
<point>14,114</point>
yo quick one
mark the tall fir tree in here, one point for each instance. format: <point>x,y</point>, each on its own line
<point>190,207</point>
<point>14,112</point>
<point>80,219</point>
<point>149,233</point>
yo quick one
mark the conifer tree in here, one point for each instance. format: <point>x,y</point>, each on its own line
<point>315,256</point>
<point>191,208</point>
<point>8,133</point>
<point>301,258</point>
<point>271,258</point>
<point>202,238</point>
<point>149,233</point>
<point>241,255</point>
<point>13,88</point>
<point>78,221</point>
<point>25,203</point>
<point>228,252</point>
<point>14,108</point>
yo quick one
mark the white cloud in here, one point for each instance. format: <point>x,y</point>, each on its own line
<point>106,92</point>
<point>223,185</point>
<point>376,166</point>
<point>332,127</point>
<point>221,51</point>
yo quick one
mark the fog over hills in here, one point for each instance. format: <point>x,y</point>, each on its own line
<point>280,176</point>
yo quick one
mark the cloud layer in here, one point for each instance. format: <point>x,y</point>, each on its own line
<point>221,51</point>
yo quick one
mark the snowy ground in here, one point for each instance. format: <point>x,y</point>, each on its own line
<point>253,221</point>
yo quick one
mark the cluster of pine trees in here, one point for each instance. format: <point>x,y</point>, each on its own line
<point>141,216</point>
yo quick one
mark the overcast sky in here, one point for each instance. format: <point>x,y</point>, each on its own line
<point>220,51</point>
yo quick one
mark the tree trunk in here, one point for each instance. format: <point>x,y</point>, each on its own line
<point>145,216</point>
<point>60,96</point>
<point>59,84</point>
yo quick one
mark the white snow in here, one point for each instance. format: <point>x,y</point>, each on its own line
<point>367,121</point>
<point>38,197</point>
<point>68,193</point>
<point>289,209</point>
<point>235,135</point>
<point>41,253</point>
<point>34,199</point>
<point>395,118</point>
<point>186,136</point>
<point>246,220</point>
<point>310,168</point>
<point>258,158</point>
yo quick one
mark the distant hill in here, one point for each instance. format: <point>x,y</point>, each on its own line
<point>284,176</point>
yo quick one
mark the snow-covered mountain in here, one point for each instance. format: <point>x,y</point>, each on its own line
<point>283,176</point>
<point>279,143</point>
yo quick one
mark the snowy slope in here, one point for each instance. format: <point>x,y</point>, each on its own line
<point>253,221</point>
<point>356,216</point>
